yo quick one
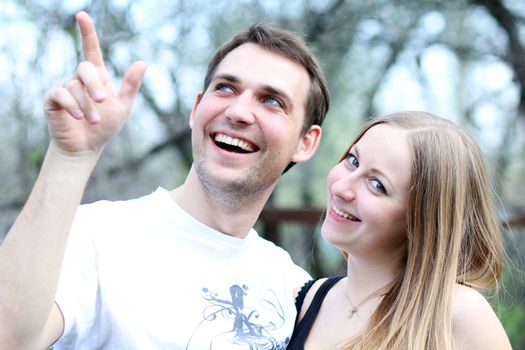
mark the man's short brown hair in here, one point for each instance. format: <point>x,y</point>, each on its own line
<point>292,46</point>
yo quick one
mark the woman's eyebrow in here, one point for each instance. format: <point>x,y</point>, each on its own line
<point>375,170</point>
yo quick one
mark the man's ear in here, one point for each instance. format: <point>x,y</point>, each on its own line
<point>195,104</point>
<point>308,144</point>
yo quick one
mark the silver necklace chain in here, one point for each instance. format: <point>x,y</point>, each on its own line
<point>354,309</point>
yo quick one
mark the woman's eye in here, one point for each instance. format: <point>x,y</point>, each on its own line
<point>273,101</point>
<point>378,186</point>
<point>352,160</point>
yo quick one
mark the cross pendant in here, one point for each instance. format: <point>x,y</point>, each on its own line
<point>351,312</point>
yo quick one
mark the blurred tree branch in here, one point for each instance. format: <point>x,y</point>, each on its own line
<point>516,51</point>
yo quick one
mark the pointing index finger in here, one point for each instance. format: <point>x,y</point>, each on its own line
<point>90,43</point>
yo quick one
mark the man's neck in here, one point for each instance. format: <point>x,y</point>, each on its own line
<point>234,218</point>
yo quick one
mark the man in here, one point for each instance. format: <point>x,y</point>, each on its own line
<point>181,269</point>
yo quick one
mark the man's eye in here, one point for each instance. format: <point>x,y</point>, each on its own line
<point>224,87</point>
<point>378,186</point>
<point>273,101</point>
<point>352,160</point>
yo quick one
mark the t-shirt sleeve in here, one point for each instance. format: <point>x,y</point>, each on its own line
<point>297,277</point>
<point>77,293</point>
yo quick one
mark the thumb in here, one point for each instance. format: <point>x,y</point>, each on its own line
<point>131,83</point>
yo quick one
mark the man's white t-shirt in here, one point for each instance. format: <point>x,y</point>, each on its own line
<point>144,274</point>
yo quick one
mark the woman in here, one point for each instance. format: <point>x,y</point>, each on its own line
<point>410,206</point>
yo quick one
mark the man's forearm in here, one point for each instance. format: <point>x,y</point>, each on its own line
<point>32,252</point>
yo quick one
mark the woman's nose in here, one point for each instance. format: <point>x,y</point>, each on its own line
<point>344,187</point>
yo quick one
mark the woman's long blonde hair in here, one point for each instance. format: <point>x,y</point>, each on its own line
<point>453,236</point>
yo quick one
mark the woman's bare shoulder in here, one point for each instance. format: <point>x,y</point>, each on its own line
<point>474,322</point>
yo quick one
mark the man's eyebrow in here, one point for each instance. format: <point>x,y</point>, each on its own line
<point>280,93</point>
<point>269,89</point>
<point>228,77</point>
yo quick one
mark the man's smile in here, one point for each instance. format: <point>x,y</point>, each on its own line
<point>233,144</point>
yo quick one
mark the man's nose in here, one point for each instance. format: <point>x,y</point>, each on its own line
<point>242,109</point>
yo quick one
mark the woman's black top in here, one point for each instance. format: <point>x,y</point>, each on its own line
<point>302,328</point>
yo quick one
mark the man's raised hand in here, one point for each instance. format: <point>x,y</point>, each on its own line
<point>84,113</point>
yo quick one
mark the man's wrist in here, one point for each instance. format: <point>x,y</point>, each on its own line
<point>86,158</point>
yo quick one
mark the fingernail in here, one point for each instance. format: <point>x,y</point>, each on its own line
<point>78,114</point>
<point>99,95</point>
<point>94,117</point>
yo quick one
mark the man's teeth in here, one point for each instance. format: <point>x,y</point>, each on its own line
<point>234,142</point>
<point>344,214</point>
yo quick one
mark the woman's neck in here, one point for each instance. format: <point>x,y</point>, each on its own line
<point>367,275</point>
